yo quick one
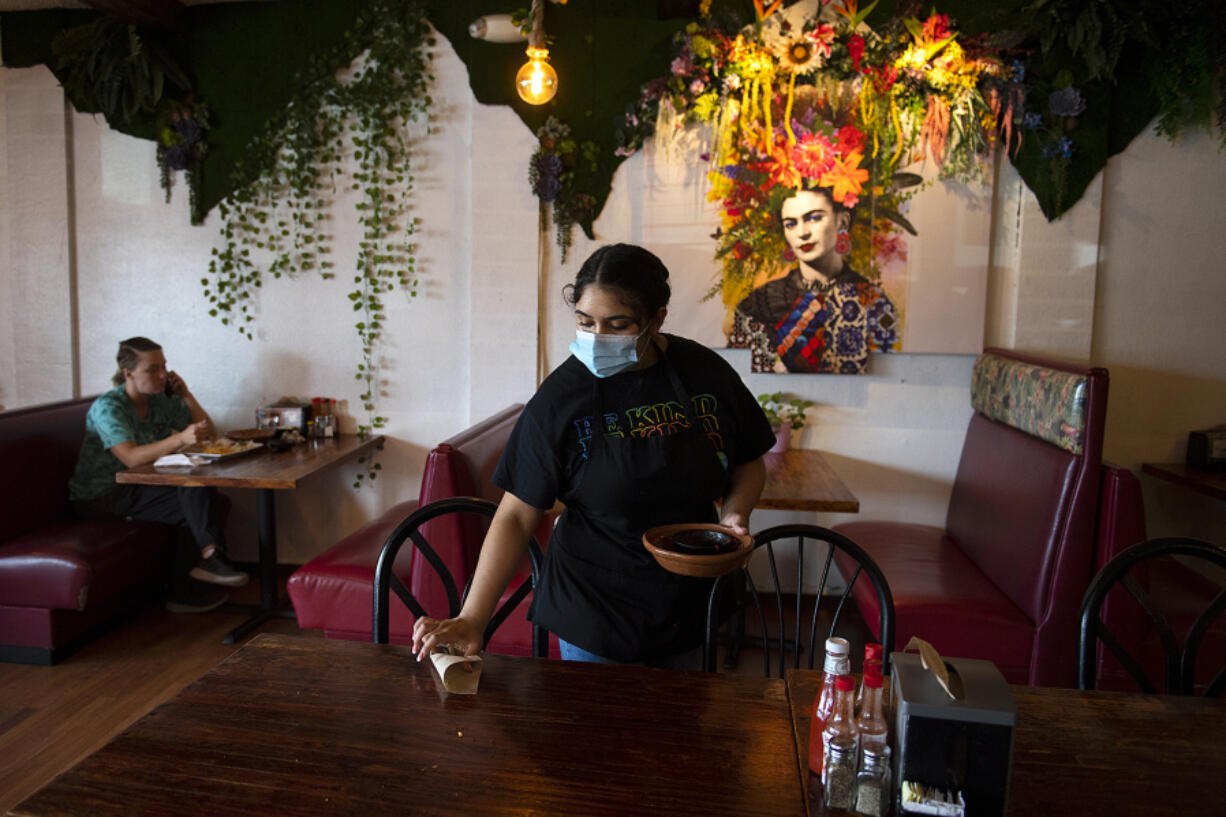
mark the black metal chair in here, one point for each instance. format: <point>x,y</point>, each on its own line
<point>387,582</point>
<point>1173,585</point>
<point>769,540</point>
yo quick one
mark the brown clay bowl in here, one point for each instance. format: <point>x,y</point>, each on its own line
<point>698,548</point>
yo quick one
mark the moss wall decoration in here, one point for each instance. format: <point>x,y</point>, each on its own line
<point>1128,62</point>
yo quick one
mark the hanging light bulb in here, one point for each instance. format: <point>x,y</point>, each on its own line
<point>536,82</point>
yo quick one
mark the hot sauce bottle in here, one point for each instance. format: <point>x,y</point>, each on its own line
<point>838,662</point>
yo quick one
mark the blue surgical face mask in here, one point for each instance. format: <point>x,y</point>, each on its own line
<point>606,355</point>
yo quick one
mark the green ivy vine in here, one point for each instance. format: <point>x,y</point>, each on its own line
<point>278,224</point>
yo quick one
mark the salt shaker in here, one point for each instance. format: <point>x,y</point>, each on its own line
<point>873,794</point>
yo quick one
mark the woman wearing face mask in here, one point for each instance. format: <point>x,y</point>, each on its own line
<point>149,413</point>
<point>636,429</point>
<point>822,316</point>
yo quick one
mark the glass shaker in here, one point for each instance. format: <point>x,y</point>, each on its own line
<point>842,747</point>
<point>873,795</point>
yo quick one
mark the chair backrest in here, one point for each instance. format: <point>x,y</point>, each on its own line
<point>1025,498</point>
<point>46,441</point>
<point>414,528</point>
<point>1176,585</point>
<point>796,537</point>
<point>462,465</point>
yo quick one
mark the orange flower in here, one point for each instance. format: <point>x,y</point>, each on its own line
<point>783,172</point>
<point>846,178</point>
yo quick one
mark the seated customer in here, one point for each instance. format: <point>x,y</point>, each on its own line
<point>150,413</point>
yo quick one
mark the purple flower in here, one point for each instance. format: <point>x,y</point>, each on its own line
<point>548,188</point>
<point>1032,121</point>
<point>549,165</point>
<point>1019,71</point>
<point>177,157</point>
<point>697,87</point>
<point>189,129</point>
<point>1062,149</point>
<point>1066,102</point>
<point>681,66</point>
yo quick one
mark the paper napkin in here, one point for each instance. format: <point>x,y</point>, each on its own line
<point>171,460</point>
<point>460,673</point>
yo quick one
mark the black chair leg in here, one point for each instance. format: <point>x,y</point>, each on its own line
<point>736,627</point>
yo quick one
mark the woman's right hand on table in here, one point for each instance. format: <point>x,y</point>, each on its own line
<point>428,632</point>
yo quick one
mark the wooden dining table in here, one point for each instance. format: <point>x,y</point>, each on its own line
<point>1090,754</point>
<point>293,725</point>
<point>267,472</point>
<point>801,479</point>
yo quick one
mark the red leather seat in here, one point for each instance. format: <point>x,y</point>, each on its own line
<point>333,591</point>
<point>63,580</point>
<point>1003,579</point>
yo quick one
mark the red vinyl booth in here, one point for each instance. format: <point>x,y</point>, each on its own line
<point>333,591</point>
<point>63,580</point>
<point>1003,579</point>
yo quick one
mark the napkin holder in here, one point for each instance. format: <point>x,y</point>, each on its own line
<point>956,744</point>
<point>284,414</point>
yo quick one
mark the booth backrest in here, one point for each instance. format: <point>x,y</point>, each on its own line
<point>1025,498</point>
<point>460,466</point>
<point>39,448</point>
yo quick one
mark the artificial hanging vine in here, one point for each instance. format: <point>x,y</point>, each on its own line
<point>278,223</point>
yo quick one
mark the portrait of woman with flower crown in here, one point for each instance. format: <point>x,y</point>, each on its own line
<point>822,316</point>
<point>823,133</point>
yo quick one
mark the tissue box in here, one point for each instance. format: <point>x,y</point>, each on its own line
<point>956,747</point>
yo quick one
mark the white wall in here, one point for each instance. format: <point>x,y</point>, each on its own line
<point>467,346</point>
<point>1158,316</point>
<point>461,350</point>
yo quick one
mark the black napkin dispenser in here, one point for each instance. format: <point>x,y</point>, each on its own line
<point>957,750</point>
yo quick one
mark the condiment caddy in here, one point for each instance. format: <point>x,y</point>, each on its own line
<point>849,734</point>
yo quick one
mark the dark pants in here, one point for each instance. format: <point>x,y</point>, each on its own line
<point>198,515</point>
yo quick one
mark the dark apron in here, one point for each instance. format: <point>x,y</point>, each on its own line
<point>601,589</point>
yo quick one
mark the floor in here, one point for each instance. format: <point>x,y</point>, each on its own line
<point>52,717</point>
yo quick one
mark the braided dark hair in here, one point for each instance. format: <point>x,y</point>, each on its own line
<point>636,273</point>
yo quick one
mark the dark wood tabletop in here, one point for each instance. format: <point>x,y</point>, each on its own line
<point>1209,483</point>
<point>290,725</point>
<point>261,468</point>
<point>801,480</point>
<point>1112,754</point>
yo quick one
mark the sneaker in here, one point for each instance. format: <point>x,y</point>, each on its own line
<point>199,599</point>
<point>217,569</point>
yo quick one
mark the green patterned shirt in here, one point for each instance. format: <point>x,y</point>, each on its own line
<point>112,420</point>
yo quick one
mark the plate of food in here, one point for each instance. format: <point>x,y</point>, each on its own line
<point>220,448</point>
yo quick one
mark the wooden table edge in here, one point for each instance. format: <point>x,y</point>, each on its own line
<point>176,479</point>
<point>1159,470</point>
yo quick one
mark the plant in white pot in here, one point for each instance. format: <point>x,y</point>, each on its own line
<point>785,413</point>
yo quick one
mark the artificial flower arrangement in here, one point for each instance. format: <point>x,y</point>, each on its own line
<point>824,101</point>
<point>552,174</point>
<point>182,144</point>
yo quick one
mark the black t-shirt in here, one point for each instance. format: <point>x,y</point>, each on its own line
<point>657,462</point>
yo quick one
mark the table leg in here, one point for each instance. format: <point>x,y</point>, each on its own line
<point>269,606</point>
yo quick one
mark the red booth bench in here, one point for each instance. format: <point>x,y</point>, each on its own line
<point>63,580</point>
<point>333,591</point>
<point>1003,579</point>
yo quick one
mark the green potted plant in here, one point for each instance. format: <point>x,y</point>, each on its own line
<point>785,413</point>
